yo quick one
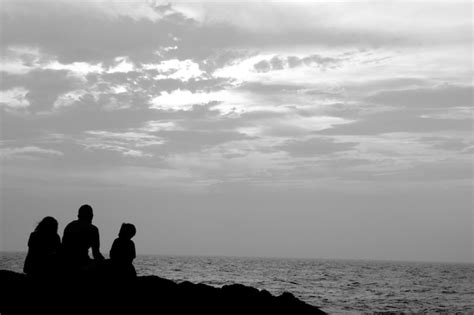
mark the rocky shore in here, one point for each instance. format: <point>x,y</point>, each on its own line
<point>142,295</point>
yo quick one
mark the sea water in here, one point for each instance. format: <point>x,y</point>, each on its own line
<point>336,286</point>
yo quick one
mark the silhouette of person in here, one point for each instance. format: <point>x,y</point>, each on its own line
<point>43,246</point>
<point>123,252</point>
<point>78,237</point>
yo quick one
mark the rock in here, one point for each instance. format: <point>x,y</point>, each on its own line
<point>143,295</point>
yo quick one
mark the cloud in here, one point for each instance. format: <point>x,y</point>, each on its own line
<point>115,148</point>
<point>123,65</point>
<point>268,88</point>
<point>185,141</point>
<point>368,86</point>
<point>78,68</point>
<point>430,171</point>
<point>141,84</point>
<point>21,59</point>
<point>298,125</point>
<point>138,139</point>
<point>92,114</point>
<point>398,121</point>
<point>145,32</point>
<point>69,98</point>
<point>44,86</point>
<point>183,70</point>
<point>183,99</point>
<point>280,63</point>
<point>28,151</point>
<point>226,100</point>
<point>314,147</point>
<point>74,120</point>
<point>444,96</point>
<point>157,125</point>
<point>14,98</point>
<point>74,33</point>
<point>338,24</point>
<point>221,58</point>
<point>127,143</point>
<point>448,144</point>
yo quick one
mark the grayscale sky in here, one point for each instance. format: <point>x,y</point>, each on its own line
<point>339,129</point>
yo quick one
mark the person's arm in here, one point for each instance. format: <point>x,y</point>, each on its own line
<point>33,243</point>
<point>113,250</point>
<point>27,264</point>
<point>96,246</point>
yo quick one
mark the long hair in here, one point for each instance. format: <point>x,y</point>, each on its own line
<point>48,225</point>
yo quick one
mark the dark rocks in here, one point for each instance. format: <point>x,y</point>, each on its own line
<point>143,295</point>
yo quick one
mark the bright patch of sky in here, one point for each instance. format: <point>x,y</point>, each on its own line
<point>122,65</point>
<point>186,100</point>
<point>14,98</point>
<point>176,69</point>
<point>79,68</point>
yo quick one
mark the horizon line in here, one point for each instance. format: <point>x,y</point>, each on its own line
<point>294,258</point>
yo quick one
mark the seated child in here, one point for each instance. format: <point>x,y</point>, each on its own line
<point>43,246</point>
<point>123,253</point>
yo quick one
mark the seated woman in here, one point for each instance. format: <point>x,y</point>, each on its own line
<point>43,246</point>
<point>123,253</point>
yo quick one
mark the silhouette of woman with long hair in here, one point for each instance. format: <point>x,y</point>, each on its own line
<point>43,246</point>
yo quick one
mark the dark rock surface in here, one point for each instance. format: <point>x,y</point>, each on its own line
<point>143,295</point>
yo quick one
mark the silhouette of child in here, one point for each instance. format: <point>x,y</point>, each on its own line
<point>43,246</point>
<point>123,253</point>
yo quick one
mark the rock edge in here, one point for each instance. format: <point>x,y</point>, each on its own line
<point>142,295</point>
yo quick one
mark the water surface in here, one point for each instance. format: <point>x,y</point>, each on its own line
<point>336,286</point>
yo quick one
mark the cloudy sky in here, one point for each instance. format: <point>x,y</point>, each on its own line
<point>307,129</point>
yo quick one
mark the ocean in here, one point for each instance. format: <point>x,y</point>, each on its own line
<point>336,286</point>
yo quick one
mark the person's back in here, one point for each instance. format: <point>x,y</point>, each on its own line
<point>43,246</point>
<point>123,252</point>
<point>78,237</point>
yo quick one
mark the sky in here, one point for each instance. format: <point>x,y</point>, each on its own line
<point>310,129</point>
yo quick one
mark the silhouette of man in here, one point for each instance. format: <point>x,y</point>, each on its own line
<point>79,236</point>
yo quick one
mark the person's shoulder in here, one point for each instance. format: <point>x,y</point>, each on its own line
<point>71,224</point>
<point>127,242</point>
<point>93,228</point>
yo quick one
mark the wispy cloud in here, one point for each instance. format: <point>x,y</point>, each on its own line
<point>28,151</point>
<point>280,63</point>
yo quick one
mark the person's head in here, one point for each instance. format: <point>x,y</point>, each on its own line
<point>85,213</point>
<point>127,231</point>
<point>48,225</point>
